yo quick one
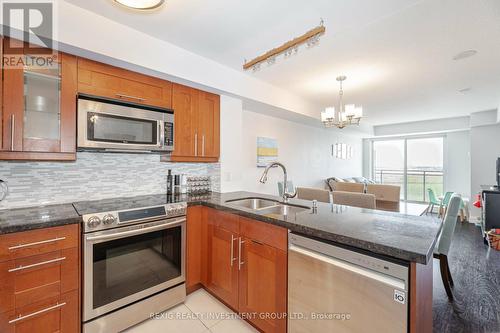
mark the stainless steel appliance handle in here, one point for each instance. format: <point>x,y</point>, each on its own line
<point>162,133</point>
<point>138,231</point>
<point>203,145</point>
<point>57,306</point>
<point>232,249</point>
<point>131,97</point>
<point>240,263</point>
<point>20,246</point>
<point>386,279</point>
<point>195,144</point>
<point>12,131</point>
<point>20,268</point>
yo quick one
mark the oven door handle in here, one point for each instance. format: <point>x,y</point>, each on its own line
<point>138,231</point>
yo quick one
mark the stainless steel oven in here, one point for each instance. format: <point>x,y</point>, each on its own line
<point>134,265</point>
<point>105,124</point>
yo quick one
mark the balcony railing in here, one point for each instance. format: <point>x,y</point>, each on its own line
<point>418,182</point>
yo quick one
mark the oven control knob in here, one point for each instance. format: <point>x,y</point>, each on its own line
<point>93,221</point>
<point>171,210</point>
<point>108,219</point>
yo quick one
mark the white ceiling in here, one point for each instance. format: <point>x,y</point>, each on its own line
<point>397,54</point>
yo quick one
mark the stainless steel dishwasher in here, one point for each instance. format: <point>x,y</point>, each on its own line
<point>331,289</point>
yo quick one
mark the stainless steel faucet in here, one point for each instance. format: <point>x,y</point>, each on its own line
<point>263,180</point>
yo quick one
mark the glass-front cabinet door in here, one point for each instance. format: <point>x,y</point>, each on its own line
<point>39,107</point>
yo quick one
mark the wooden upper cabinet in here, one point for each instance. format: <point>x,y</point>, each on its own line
<point>185,105</point>
<point>39,109</point>
<point>197,125</point>
<point>103,80</point>
<point>209,124</point>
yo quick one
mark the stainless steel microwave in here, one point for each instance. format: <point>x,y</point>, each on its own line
<point>109,125</point>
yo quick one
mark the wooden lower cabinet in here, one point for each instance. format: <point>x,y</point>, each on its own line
<point>222,274</point>
<point>39,281</point>
<point>244,269</point>
<point>52,315</point>
<point>263,285</point>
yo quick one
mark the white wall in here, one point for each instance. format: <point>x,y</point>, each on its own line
<point>231,124</point>
<point>485,149</point>
<point>304,149</point>
<point>457,163</point>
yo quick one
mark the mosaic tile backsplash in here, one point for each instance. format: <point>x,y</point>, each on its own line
<point>93,176</point>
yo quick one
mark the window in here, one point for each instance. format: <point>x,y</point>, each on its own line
<point>414,164</point>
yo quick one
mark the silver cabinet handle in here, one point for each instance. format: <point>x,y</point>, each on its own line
<point>19,318</point>
<point>240,263</point>
<point>131,97</point>
<point>232,250</point>
<point>195,144</point>
<point>20,246</point>
<point>20,268</point>
<point>12,131</point>
<point>203,145</point>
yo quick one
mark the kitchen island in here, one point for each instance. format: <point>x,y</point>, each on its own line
<point>377,237</point>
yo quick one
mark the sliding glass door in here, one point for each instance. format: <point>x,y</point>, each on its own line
<point>415,164</point>
<point>389,163</point>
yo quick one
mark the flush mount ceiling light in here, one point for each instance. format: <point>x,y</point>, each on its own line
<point>141,4</point>
<point>345,114</point>
<point>465,54</point>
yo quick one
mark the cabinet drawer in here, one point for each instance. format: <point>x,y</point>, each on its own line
<point>29,243</point>
<point>29,280</point>
<point>107,81</point>
<point>57,314</point>
<point>227,221</point>
<point>264,233</point>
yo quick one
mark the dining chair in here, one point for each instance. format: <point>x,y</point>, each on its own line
<point>349,187</point>
<point>433,201</point>
<point>444,202</point>
<point>444,242</point>
<point>361,200</point>
<point>309,193</point>
<point>387,196</point>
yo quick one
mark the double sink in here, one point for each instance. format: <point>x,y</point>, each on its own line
<point>268,206</point>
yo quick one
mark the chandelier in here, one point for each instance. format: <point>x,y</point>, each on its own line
<point>345,114</point>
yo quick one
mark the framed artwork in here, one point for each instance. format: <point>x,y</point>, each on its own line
<point>267,151</point>
<point>342,151</point>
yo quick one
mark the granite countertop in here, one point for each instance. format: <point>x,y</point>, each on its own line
<point>23,219</point>
<point>404,237</point>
